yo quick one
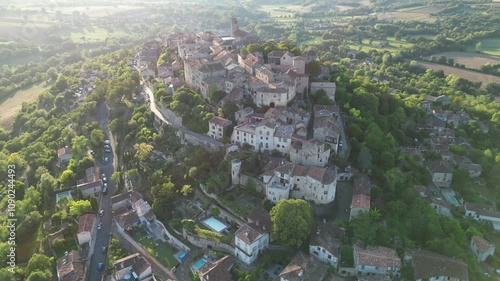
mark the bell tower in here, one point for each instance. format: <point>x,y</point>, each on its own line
<point>234,25</point>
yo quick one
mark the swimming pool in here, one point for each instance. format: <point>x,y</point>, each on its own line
<point>215,224</point>
<point>63,194</point>
<point>182,255</point>
<point>197,265</point>
<point>452,199</point>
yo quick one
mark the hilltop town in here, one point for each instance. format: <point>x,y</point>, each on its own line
<point>223,155</point>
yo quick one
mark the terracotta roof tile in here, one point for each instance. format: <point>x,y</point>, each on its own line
<point>220,121</point>
<point>428,264</point>
<point>482,244</point>
<point>376,256</point>
<point>303,267</point>
<point>85,223</point>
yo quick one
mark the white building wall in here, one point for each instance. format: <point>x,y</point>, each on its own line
<point>323,255</point>
<point>249,253</point>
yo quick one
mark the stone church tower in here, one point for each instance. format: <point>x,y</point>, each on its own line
<point>234,25</point>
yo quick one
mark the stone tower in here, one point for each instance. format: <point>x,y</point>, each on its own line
<point>235,171</point>
<point>234,25</point>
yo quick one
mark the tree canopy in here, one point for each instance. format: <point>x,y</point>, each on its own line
<point>292,222</point>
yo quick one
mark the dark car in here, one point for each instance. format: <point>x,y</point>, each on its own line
<point>100,266</point>
<point>104,249</point>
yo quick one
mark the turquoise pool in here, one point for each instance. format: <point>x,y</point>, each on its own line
<point>215,224</point>
<point>197,265</point>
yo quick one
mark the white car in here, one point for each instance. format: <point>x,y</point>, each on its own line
<point>106,159</point>
<point>104,179</point>
<point>101,213</point>
<point>107,142</point>
<point>99,226</point>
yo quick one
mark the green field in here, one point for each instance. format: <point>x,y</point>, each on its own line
<point>488,46</point>
<point>11,105</point>
<point>92,35</point>
<point>392,47</point>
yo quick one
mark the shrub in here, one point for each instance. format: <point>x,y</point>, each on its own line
<point>188,224</point>
<point>215,212</point>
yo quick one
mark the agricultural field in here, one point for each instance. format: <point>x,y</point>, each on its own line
<point>488,46</point>
<point>283,12</point>
<point>392,46</point>
<point>417,14</point>
<point>10,106</point>
<point>90,35</point>
<point>470,60</point>
<point>462,73</point>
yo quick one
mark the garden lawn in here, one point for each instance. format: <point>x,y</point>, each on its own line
<point>165,250</point>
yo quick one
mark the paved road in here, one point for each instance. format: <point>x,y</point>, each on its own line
<point>103,235</point>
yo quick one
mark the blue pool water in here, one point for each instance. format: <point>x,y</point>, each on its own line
<point>182,255</point>
<point>215,224</point>
<point>452,199</point>
<point>199,264</point>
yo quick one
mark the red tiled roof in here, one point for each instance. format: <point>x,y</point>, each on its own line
<point>360,202</point>
<point>482,244</point>
<point>219,271</point>
<point>428,264</point>
<point>362,185</point>
<point>376,256</point>
<point>247,234</point>
<point>85,223</point>
<point>316,173</point>
<point>63,151</point>
<point>220,121</point>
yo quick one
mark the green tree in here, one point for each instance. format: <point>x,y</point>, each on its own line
<point>364,159</point>
<point>143,151</point>
<point>45,275</point>
<point>186,190</point>
<point>214,94</point>
<point>38,262</point>
<point>292,221</point>
<point>79,147</point>
<point>80,207</point>
<point>97,137</point>
<point>479,45</point>
<point>228,110</point>
<point>313,68</point>
<point>67,178</point>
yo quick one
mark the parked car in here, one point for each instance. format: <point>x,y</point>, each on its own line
<point>105,189</point>
<point>104,179</point>
<point>101,213</point>
<point>107,142</point>
<point>104,249</point>
<point>106,159</point>
<point>107,150</point>
<point>107,146</point>
<point>99,226</point>
<point>100,266</point>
